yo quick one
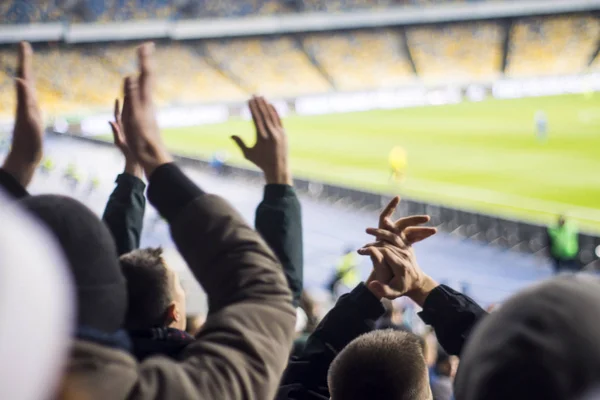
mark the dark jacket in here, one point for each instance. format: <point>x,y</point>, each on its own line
<point>124,212</point>
<point>169,342</point>
<point>244,345</point>
<point>279,221</point>
<point>355,313</point>
<point>452,315</point>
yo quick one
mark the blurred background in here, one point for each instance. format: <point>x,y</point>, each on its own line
<point>483,114</point>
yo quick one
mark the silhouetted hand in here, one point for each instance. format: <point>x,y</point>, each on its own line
<point>270,153</point>
<point>139,123</point>
<point>28,134</point>
<point>132,167</point>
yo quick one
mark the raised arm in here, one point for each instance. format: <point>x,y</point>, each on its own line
<point>27,148</point>
<point>244,345</point>
<point>124,212</point>
<point>279,215</point>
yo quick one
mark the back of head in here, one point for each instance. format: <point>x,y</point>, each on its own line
<point>148,288</point>
<point>384,364</point>
<point>91,257</point>
<point>544,343</point>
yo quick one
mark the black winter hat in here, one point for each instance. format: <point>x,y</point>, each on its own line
<point>92,257</point>
<point>543,343</point>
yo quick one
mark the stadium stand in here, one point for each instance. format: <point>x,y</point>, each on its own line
<point>274,66</point>
<point>93,78</point>
<point>361,60</point>
<point>457,52</point>
<point>552,46</point>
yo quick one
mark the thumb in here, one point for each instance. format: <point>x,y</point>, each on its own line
<point>240,143</point>
<point>116,133</point>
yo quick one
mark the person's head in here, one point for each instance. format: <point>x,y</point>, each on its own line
<point>543,343</point>
<point>561,220</point>
<point>383,364</point>
<point>91,256</point>
<point>156,297</point>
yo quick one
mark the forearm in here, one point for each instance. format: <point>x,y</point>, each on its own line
<point>452,315</point>
<point>124,213</point>
<point>279,221</point>
<point>11,185</point>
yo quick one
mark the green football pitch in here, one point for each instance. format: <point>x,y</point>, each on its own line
<point>478,156</point>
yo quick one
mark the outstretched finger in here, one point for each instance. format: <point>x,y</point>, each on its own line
<point>25,60</point>
<point>413,220</point>
<point>146,65</point>
<point>240,143</point>
<point>117,138</point>
<point>386,236</point>
<point>263,108</point>
<point>388,211</point>
<point>259,122</point>
<point>131,100</point>
<point>416,234</point>
<point>275,115</point>
<point>117,112</point>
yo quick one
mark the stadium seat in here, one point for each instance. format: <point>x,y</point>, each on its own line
<point>456,53</point>
<point>552,46</point>
<point>274,67</point>
<point>361,60</point>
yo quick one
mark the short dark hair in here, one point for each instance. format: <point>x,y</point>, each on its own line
<point>149,291</point>
<point>383,364</point>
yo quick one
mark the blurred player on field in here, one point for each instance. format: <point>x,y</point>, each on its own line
<point>541,125</point>
<point>398,161</point>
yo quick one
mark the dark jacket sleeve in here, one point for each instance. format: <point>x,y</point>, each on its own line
<point>243,347</point>
<point>279,221</point>
<point>11,186</point>
<point>353,315</point>
<point>124,212</point>
<point>452,315</point>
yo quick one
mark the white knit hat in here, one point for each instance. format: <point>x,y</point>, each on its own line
<point>36,308</point>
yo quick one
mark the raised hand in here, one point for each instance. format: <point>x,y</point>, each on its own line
<point>395,269</point>
<point>139,119</point>
<point>28,134</point>
<point>131,165</point>
<point>270,153</point>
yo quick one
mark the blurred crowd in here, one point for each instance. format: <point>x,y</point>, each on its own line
<point>100,11</point>
<point>106,319</point>
<point>294,65</point>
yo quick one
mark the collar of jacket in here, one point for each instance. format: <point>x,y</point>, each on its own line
<point>117,340</point>
<point>164,341</point>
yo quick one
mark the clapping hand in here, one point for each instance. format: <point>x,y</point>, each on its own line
<point>395,269</point>
<point>139,123</point>
<point>132,167</point>
<point>270,153</point>
<point>28,134</point>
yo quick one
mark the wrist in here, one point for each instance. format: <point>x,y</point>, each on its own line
<point>134,168</point>
<point>370,279</point>
<point>420,294</point>
<point>20,168</point>
<point>279,178</point>
<point>153,163</point>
